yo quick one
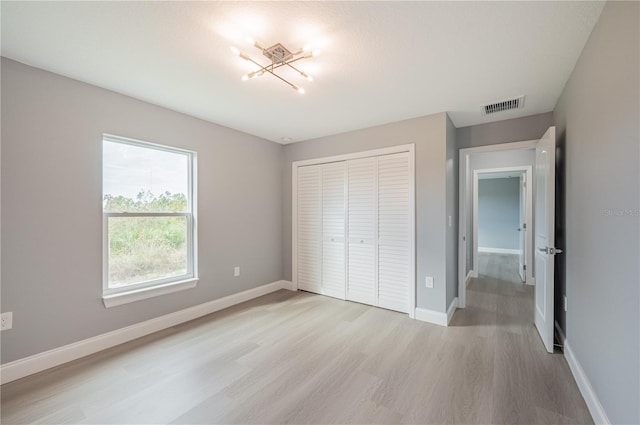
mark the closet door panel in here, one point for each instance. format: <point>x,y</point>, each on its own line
<point>333,229</point>
<point>362,193</point>
<point>309,231</point>
<point>393,232</point>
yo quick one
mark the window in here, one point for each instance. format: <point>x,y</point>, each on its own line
<point>148,220</point>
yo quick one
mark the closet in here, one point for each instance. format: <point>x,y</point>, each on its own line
<point>353,229</point>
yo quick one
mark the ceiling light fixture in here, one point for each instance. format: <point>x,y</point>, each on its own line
<point>279,56</point>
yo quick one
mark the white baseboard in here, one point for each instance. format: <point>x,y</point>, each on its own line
<point>452,309</point>
<point>474,273</point>
<point>468,278</point>
<point>593,403</point>
<point>38,362</point>
<point>437,317</point>
<point>499,250</point>
<point>431,316</point>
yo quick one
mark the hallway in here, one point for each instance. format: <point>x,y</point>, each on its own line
<point>527,385</point>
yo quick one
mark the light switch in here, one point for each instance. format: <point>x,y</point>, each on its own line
<point>236,271</point>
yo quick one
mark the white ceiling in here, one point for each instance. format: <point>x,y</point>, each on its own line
<point>381,61</point>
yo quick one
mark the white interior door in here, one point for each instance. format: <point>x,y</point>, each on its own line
<point>334,186</point>
<point>523,228</point>
<point>309,229</point>
<point>394,241</point>
<point>544,225</point>
<point>362,236</point>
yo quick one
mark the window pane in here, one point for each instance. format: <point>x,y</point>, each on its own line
<point>146,248</point>
<point>144,179</point>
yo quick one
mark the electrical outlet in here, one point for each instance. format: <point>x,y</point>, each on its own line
<point>428,281</point>
<point>6,321</point>
<point>236,271</point>
<point>565,303</point>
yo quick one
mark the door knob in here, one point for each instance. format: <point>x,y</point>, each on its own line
<point>550,250</point>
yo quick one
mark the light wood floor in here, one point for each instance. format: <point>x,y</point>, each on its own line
<point>301,358</point>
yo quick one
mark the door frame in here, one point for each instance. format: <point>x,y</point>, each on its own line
<point>410,149</point>
<point>528,170</point>
<point>464,171</point>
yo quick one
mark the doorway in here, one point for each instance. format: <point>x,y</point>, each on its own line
<point>540,155</point>
<point>502,217</point>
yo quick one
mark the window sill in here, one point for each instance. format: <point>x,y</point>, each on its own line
<point>114,300</point>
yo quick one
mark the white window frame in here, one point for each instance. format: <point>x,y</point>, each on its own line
<point>155,287</point>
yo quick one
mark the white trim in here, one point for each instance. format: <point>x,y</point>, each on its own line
<point>431,316</point>
<point>412,230</point>
<point>410,149</point>
<point>498,250</point>
<point>584,385</point>
<point>463,171</point>
<point>38,362</point>
<point>142,289</point>
<point>437,317</point>
<point>120,298</point>
<point>356,155</point>
<point>474,273</point>
<point>526,144</point>
<point>452,309</point>
<point>294,226</point>
<point>467,279</point>
<point>474,221</point>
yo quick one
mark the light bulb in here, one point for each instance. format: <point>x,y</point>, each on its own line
<point>234,50</point>
<point>307,76</point>
<point>245,77</point>
<point>298,89</point>
<point>315,53</point>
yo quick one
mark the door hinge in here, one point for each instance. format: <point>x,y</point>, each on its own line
<point>524,267</point>
<point>524,226</point>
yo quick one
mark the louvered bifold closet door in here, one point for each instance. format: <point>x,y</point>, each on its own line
<point>333,228</point>
<point>393,232</point>
<point>362,191</point>
<point>309,229</point>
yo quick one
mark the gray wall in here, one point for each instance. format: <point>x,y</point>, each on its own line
<point>499,213</point>
<point>429,135</point>
<point>597,122</point>
<point>513,130</point>
<point>452,212</point>
<point>52,208</point>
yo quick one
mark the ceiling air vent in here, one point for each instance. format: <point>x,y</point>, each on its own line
<point>505,105</point>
